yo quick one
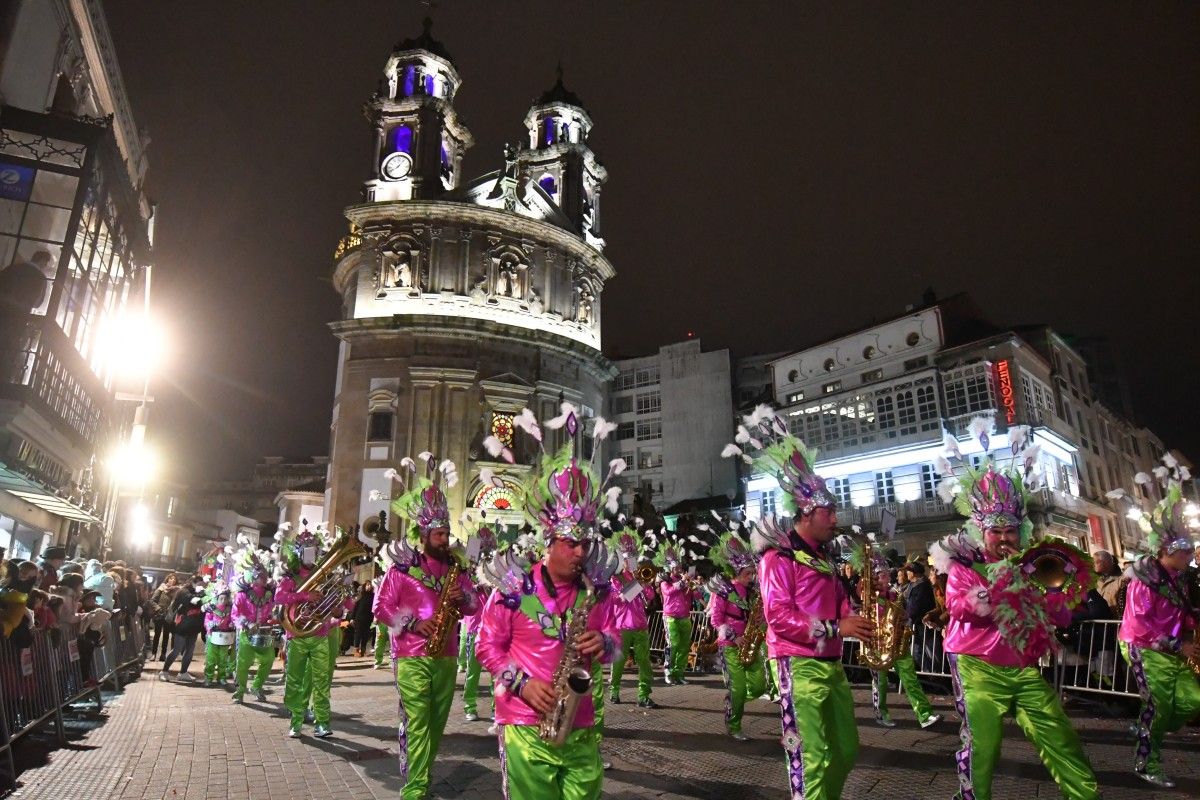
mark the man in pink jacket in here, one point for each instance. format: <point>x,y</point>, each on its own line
<point>807,612</point>
<point>996,635</point>
<point>252,608</point>
<point>630,619</point>
<point>679,594</point>
<point>1158,634</point>
<point>407,602</point>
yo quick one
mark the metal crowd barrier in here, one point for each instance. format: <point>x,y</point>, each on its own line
<point>39,681</point>
<point>1090,660</point>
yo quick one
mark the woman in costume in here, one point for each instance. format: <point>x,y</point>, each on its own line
<point>1158,628</point>
<point>1002,621</point>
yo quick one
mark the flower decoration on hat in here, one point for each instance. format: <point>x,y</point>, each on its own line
<point>1172,524</point>
<point>563,496</point>
<point>423,501</point>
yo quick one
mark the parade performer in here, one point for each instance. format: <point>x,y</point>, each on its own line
<point>550,621</point>
<point>633,597</point>
<point>481,547</point>
<point>421,599</point>
<point>1157,633</point>
<point>680,592</point>
<point>308,669</point>
<point>735,612</point>
<point>905,667</point>
<point>807,610</point>
<point>1002,617</point>
<point>218,618</point>
<point>252,610</point>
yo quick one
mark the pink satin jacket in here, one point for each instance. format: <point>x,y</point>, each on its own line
<point>728,619</point>
<point>247,611</point>
<point>402,601</point>
<point>1153,622</point>
<point>513,648</point>
<point>287,595</point>
<point>802,604</point>
<point>631,615</point>
<point>677,598</point>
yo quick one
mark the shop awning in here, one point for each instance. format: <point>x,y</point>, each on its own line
<point>34,493</point>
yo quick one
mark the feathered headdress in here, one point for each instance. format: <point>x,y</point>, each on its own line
<point>676,551</point>
<point>479,538</point>
<point>730,553</point>
<point>990,495</point>
<point>422,502</point>
<point>292,545</point>
<point>775,451</point>
<point>563,495</point>
<point>631,545</point>
<point>1173,522</point>
<point>250,564</point>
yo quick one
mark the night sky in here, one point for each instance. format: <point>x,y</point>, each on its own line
<point>779,173</point>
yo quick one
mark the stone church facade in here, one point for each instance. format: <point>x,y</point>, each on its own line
<point>462,302</point>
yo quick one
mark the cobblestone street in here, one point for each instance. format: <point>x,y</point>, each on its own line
<point>182,741</point>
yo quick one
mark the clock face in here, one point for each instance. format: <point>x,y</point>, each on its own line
<point>396,167</point>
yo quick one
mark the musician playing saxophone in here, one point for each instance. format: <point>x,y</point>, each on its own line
<point>905,667</point>
<point>408,601</point>
<point>1158,634</point>
<point>308,671</point>
<point>523,636</point>
<point>732,599</point>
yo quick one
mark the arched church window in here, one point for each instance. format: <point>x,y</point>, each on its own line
<point>402,139</point>
<point>550,129</point>
<point>429,85</point>
<point>547,183</point>
<point>410,76</point>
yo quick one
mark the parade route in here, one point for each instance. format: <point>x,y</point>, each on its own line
<point>184,742</point>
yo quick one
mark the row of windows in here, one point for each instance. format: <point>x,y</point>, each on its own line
<point>637,378</point>
<point>870,417</point>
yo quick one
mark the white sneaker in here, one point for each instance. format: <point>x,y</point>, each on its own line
<point>471,716</point>
<point>741,737</point>
<point>931,720</point>
<point>884,722</point>
<point>1156,778</point>
<point>494,728</point>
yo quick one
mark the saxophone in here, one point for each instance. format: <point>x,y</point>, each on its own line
<point>891,635</point>
<point>756,631</point>
<point>447,613</point>
<point>305,619</point>
<point>572,680</point>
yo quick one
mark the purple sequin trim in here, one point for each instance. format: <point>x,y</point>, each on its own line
<point>966,789</point>
<point>1149,709</point>
<point>793,744</point>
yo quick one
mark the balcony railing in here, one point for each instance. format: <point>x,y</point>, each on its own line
<point>347,243</point>
<point>906,510</point>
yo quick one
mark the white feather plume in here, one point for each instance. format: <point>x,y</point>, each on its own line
<point>527,422</point>
<point>747,459</point>
<point>1017,436</point>
<point>943,466</point>
<point>612,495</point>
<point>425,455</point>
<point>601,428</point>
<point>1143,479</point>
<point>762,412</point>
<point>703,526</point>
<point>561,419</point>
<point>947,488</point>
<point>980,426</point>
<point>694,540</point>
<point>408,462</point>
<point>743,435</point>
<point>617,466</point>
<point>228,548</point>
<point>1115,494</point>
<point>731,450</point>
<point>391,474</point>
<point>374,495</point>
<point>367,540</point>
<point>487,476</point>
<point>1170,461</point>
<point>1161,473</point>
<point>285,526</point>
<point>493,445</point>
<point>1185,474</point>
<point>449,472</point>
<point>950,445</point>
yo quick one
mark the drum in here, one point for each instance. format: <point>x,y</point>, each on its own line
<point>262,640</point>
<point>220,637</point>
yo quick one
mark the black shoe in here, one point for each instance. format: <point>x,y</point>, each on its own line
<point>615,700</point>
<point>648,703</point>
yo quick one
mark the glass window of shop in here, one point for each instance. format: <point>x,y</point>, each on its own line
<point>35,212</point>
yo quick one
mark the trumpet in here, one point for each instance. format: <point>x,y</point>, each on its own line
<point>646,573</point>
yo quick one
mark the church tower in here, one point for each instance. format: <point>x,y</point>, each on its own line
<point>463,301</point>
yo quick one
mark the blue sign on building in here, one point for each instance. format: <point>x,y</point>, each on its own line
<point>16,183</point>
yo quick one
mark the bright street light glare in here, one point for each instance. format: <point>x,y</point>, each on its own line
<point>133,465</point>
<point>139,529</point>
<point>132,345</point>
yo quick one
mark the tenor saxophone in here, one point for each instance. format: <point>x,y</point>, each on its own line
<point>890,632</point>
<point>756,631</point>
<point>446,614</point>
<point>572,680</point>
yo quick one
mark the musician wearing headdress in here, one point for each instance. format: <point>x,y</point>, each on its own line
<point>630,605</point>
<point>308,671</point>
<point>680,592</point>
<point>218,618</point>
<point>423,595</point>
<point>550,621</point>
<point>1157,633</point>
<point>905,667</point>
<point>807,611</point>
<point>252,609</point>
<point>1003,618</point>
<point>734,606</point>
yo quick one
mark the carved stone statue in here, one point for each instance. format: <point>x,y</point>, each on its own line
<point>397,272</point>
<point>583,308</point>
<point>506,280</point>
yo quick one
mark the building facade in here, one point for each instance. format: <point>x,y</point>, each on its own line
<point>878,402</point>
<point>462,302</point>
<point>75,239</point>
<point>672,413</point>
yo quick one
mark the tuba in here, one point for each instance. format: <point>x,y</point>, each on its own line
<point>447,613</point>
<point>1047,567</point>
<point>572,680</point>
<point>328,580</point>
<point>891,636</point>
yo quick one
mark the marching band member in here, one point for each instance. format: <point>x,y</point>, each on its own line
<point>549,615</point>
<point>905,667</point>
<point>679,594</point>
<point>424,570</point>
<point>631,618</point>
<point>218,618</point>
<point>1002,622</point>
<point>807,611</point>
<point>252,607</point>
<point>733,606</point>
<point>483,547</point>
<point>308,671</point>
<point>1158,628</point>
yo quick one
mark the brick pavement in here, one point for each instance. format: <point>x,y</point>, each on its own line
<point>180,741</point>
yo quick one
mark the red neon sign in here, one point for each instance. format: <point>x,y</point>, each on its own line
<point>1004,387</point>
